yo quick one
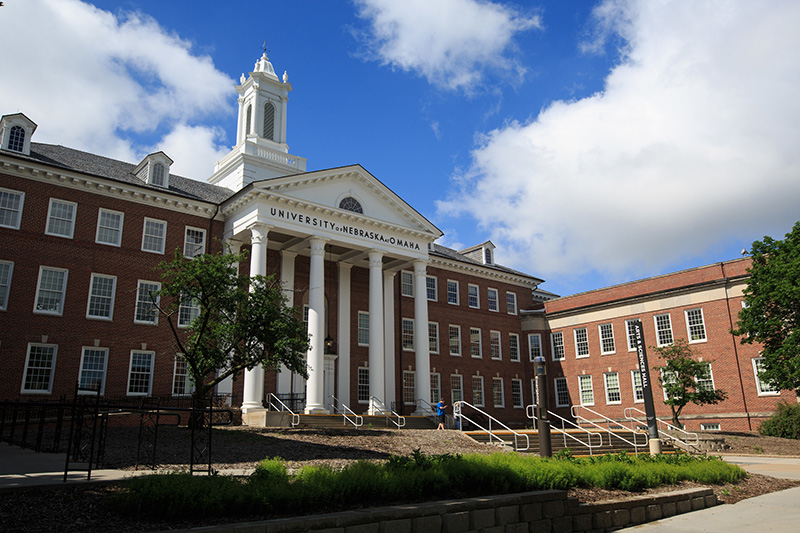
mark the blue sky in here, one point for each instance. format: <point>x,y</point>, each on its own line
<point>593,142</point>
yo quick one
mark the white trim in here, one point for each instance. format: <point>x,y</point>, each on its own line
<point>521,404</point>
<point>153,322</point>
<point>4,300</point>
<point>502,403</point>
<point>433,347</point>
<point>553,335</point>
<point>365,315</point>
<point>581,380</point>
<point>578,343</point>
<point>449,346</point>
<point>52,368</point>
<point>489,291</point>
<point>494,334</point>
<point>407,282</point>
<point>480,343</point>
<point>150,373</point>
<point>671,330</point>
<point>110,316</point>
<point>516,305</point>
<point>511,357</point>
<point>619,388</point>
<point>60,310</point>
<point>477,296</point>
<point>100,212</point>
<point>460,388</point>
<point>613,341</point>
<point>563,381</point>
<point>435,288</point>
<point>457,295</point>
<point>72,220</point>
<point>479,380</point>
<point>104,371</point>
<point>403,322</point>
<point>628,337</point>
<point>19,212</point>
<point>754,361</point>
<point>186,241</point>
<point>530,346</point>
<point>163,223</point>
<point>188,386</point>
<point>633,385</point>
<point>702,324</point>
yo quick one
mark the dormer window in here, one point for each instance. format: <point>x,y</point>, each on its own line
<point>154,170</point>
<point>15,133</point>
<point>158,176</point>
<point>16,139</point>
<point>269,121</point>
<point>488,256</point>
<point>351,204</point>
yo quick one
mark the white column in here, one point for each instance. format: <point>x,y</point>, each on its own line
<point>343,334</point>
<point>421,340</point>
<point>254,379</point>
<point>226,385</point>
<point>388,340</point>
<point>376,371</point>
<point>315,403</point>
<point>284,385</point>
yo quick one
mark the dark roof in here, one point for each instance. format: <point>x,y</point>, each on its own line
<point>449,253</point>
<point>104,167</point>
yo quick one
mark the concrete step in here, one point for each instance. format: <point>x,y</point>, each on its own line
<point>369,422</point>
<point>559,442</point>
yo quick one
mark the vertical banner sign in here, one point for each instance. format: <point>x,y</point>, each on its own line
<point>644,371</point>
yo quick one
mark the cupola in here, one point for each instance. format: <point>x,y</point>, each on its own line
<point>154,170</point>
<point>15,133</point>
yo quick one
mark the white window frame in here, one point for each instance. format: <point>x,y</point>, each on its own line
<point>453,292</point>
<point>603,339</point>
<point>362,384</point>
<point>140,301</point>
<point>150,373</point>
<point>432,289</point>
<point>163,237</point>
<point>511,303</point>
<point>100,227</point>
<point>472,333</point>
<point>362,326</point>
<point>409,387</point>
<point>473,293</point>
<point>5,285</point>
<point>63,291</point>
<point>582,380</point>
<point>701,327</point>
<point>631,340</point>
<point>188,308</point>
<point>534,346</point>
<point>495,345</point>
<point>495,382</point>
<point>513,347</point>
<point>408,330</point>
<point>7,193</point>
<point>581,344</point>
<point>493,303</point>
<point>70,221</point>
<point>190,248</point>
<point>450,329</point>
<point>610,389</point>
<point>557,348</point>
<point>636,375</point>
<point>83,371</point>
<point>188,386</point>
<point>407,283</point>
<point>433,337</point>
<point>711,426</point>
<point>478,392</point>
<point>93,296</point>
<point>763,388</point>
<point>456,384</point>
<point>436,387</point>
<point>561,391</point>
<point>517,398</point>
<point>659,342</point>
<point>704,383</point>
<point>51,369</point>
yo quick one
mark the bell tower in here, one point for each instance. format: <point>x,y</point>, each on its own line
<point>261,151</point>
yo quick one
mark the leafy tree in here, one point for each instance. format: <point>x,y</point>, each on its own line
<point>684,379</point>
<point>771,315</point>
<point>235,322</point>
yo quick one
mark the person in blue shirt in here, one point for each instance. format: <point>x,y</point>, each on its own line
<point>441,408</point>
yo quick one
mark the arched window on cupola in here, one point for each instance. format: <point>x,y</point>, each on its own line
<point>249,121</point>
<point>487,256</point>
<point>16,139</point>
<point>158,175</point>
<point>269,121</point>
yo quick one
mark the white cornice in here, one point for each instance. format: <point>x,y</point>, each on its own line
<point>481,271</point>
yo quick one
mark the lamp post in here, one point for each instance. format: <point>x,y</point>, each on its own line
<point>540,370</point>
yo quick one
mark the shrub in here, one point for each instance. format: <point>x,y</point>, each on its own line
<point>784,422</point>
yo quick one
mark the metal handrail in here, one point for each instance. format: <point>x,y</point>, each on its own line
<point>687,434</point>
<point>388,413</point>
<point>346,413</point>
<point>563,431</point>
<point>426,406</point>
<point>457,411</point>
<point>283,407</point>
<point>609,421</point>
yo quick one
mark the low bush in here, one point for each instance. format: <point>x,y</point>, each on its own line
<point>784,422</point>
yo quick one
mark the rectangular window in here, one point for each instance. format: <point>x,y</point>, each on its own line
<point>109,227</point>
<point>492,300</point>
<point>710,427</point>
<point>452,292</point>
<point>638,390</point>
<point>408,334</point>
<point>455,340</point>
<point>140,375</point>
<point>146,310</point>
<point>363,385</point>
<point>613,394</point>
<point>407,283</point>
<point>11,208</point>
<point>581,343</point>
<point>475,342</point>
<point>516,394</point>
<point>557,342</point>
<point>101,297</point>
<point>497,392</point>
<point>663,329</point>
<point>667,378</point>
<point>363,328</point>
<point>433,337</point>
<point>607,345</point>
<point>765,388</point>
<point>154,235</point>
<point>194,242</point>
<point>562,392</point>
<point>535,345</point>
<point>494,345</point>
<point>513,347</point>
<point>188,310</point>
<point>431,290</point>
<point>50,291</point>
<point>695,325</point>
<point>92,376</point>
<point>586,390</point>
<point>61,218</point>
<point>181,384</point>
<point>6,270</point>
<point>511,303</point>
<point>409,386</point>
<point>705,379</point>
<point>477,391</point>
<point>456,388</point>
<point>472,296</point>
<point>436,387</point>
<point>40,367</point>
<point>631,332</point>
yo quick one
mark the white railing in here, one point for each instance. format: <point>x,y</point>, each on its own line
<point>563,430</point>
<point>377,406</point>
<point>458,411</point>
<point>282,407</point>
<point>609,422</point>
<point>664,433</point>
<point>346,412</point>
<point>284,158</point>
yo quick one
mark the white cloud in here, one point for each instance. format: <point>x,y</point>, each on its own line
<point>104,84</point>
<point>451,43</point>
<point>692,142</point>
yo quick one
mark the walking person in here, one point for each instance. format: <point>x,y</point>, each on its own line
<point>441,412</point>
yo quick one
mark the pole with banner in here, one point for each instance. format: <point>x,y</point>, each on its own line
<point>647,389</point>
